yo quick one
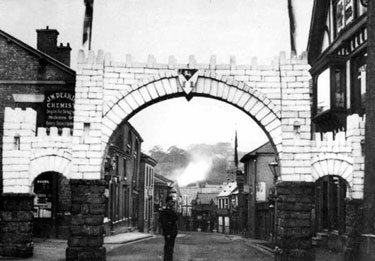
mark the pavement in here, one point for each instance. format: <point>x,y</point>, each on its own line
<point>54,249</point>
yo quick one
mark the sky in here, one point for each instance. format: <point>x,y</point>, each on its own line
<point>240,28</point>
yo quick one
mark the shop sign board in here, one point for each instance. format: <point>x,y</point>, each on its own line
<point>59,109</point>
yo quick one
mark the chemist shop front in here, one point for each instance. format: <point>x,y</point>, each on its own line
<point>51,205</point>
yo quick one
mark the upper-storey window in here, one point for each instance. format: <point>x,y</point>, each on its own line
<point>343,13</point>
<point>129,142</point>
<point>331,89</point>
<point>323,86</point>
<point>358,91</point>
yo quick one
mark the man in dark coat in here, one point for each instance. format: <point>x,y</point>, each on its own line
<point>168,220</point>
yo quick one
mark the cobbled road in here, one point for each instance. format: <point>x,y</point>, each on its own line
<point>193,246</point>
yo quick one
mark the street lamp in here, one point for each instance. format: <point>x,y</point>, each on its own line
<point>273,167</point>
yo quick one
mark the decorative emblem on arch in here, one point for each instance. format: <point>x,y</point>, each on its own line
<point>188,81</point>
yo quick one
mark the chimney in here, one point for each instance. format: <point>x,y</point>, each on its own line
<point>63,54</point>
<point>47,43</point>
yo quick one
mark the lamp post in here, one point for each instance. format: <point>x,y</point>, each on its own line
<point>273,197</point>
<point>274,170</point>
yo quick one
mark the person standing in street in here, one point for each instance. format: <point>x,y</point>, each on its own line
<point>168,220</point>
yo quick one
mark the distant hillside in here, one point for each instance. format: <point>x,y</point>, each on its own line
<point>199,162</point>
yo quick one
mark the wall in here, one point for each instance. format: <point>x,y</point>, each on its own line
<point>341,154</point>
<point>24,71</point>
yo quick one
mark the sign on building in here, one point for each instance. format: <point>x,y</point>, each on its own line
<point>59,109</point>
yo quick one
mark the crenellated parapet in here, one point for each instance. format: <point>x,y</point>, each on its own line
<point>341,154</point>
<point>28,153</point>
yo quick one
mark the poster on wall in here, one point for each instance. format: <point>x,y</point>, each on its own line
<point>261,191</point>
<point>59,109</point>
<point>43,198</point>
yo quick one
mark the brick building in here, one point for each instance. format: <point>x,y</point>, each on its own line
<point>40,79</point>
<point>123,180</point>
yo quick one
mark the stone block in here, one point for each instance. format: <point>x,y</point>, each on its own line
<point>291,206</point>
<point>93,220</point>
<point>97,209</point>
<point>85,241</point>
<point>15,238</point>
<point>16,216</point>
<point>87,230</point>
<point>296,233</point>
<point>292,243</point>
<point>16,250</point>
<point>16,202</point>
<point>85,254</point>
<point>77,220</point>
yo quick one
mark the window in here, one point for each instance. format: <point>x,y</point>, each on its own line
<point>330,192</point>
<point>323,86</point>
<point>136,148</point>
<point>343,14</point>
<point>129,143</point>
<point>358,92</point>
<point>330,94</point>
<point>331,89</point>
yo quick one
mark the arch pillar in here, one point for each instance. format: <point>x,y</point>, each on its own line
<point>16,225</point>
<point>86,229</point>
<point>293,225</point>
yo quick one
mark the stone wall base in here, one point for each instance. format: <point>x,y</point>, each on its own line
<point>293,220</point>
<point>16,225</point>
<point>86,228</point>
<point>86,253</point>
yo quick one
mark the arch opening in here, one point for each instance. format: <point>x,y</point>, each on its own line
<point>52,205</point>
<point>253,103</point>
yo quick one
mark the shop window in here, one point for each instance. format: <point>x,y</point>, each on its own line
<point>45,195</point>
<point>330,192</point>
<point>358,92</point>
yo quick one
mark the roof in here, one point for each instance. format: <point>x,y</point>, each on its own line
<point>192,191</point>
<point>206,198</point>
<point>148,159</point>
<point>37,53</point>
<point>161,180</point>
<point>318,22</point>
<point>229,189</point>
<point>264,149</point>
